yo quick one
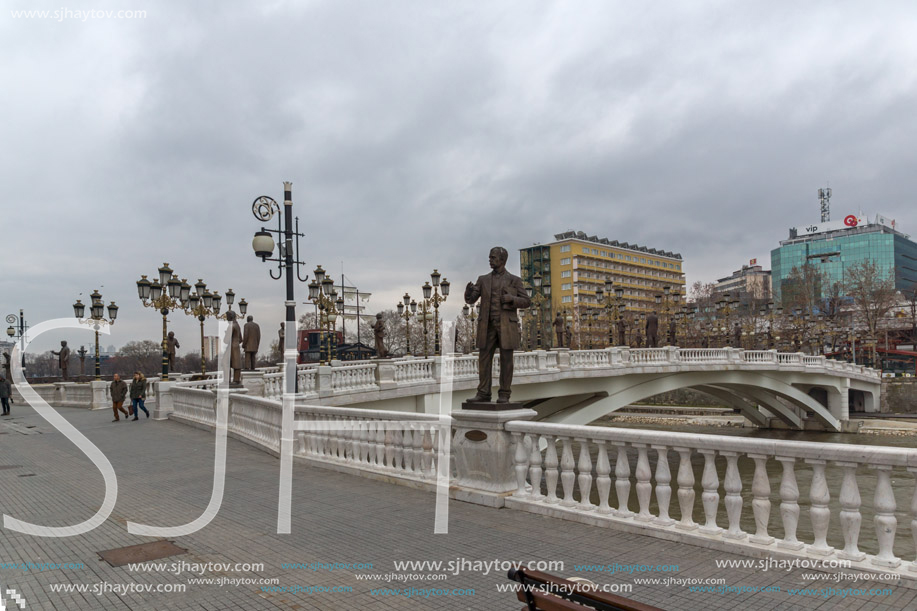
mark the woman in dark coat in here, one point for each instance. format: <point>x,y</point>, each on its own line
<point>138,394</point>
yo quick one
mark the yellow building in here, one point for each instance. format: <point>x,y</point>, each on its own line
<point>575,265</point>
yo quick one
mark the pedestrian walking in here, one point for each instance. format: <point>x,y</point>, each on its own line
<point>6,392</point>
<point>118,393</point>
<point>138,394</point>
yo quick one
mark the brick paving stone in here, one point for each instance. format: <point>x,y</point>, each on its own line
<point>165,472</point>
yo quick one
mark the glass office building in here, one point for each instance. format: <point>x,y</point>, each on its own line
<point>832,248</point>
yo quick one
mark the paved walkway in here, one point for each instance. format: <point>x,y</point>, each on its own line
<point>164,472</point>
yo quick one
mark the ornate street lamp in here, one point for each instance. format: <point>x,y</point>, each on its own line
<point>16,331</point>
<point>165,295</point>
<point>203,304</point>
<point>440,291</point>
<point>96,320</point>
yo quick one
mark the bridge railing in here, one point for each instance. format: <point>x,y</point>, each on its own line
<point>400,444</point>
<point>585,473</point>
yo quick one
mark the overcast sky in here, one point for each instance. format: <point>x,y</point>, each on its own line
<point>420,134</point>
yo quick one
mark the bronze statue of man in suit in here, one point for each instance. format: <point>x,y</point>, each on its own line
<point>63,359</point>
<point>234,339</point>
<point>501,293</point>
<point>559,328</point>
<point>251,339</point>
<point>652,329</point>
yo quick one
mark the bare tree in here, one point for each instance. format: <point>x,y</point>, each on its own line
<point>873,293</point>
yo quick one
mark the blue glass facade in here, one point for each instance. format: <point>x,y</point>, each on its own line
<point>833,253</point>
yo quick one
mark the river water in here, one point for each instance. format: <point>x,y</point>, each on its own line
<point>902,482</point>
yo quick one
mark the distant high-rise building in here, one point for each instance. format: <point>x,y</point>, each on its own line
<point>575,265</point>
<point>211,346</point>
<point>750,282</point>
<point>833,247</point>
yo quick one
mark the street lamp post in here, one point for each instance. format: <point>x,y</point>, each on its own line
<point>539,295</point>
<point>440,291</point>
<point>165,294</point>
<point>82,352</point>
<point>96,319</point>
<point>406,310</point>
<point>612,298</point>
<point>426,315</point>
<point>470,314</point>
<point>16,331</point>
<point>264,208</point>
<point>202,304</point>
<point>325,297</point>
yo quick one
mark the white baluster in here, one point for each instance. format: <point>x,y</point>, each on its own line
<point>550,470</point>
<point>535,469</point>
<point>644,486</point>
<point>567,476</point>
<point>850,516</point>
<point>418,448</point>
<point>398,446</point>
<point>585,476</point>
<point>602,480</point>
<point>663,489</point>
<point>733,501</point>
<point>521,461</point>
<point>427,442</point>
<point>380,444</point>
<point>789,507</point>
<point>819,496</point>
<point>685,490</point>
<point>710,497</point>
<point>885,520</point>
<point>761,505</point>
<point>622,482</point>
<point>408,445</point>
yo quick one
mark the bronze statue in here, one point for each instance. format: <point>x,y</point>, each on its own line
<point>63,359</point>
<point>281,339</point>
<point>559,327</point>
<point>378,328</point>
<point>171,345</point>
<point>621,330</point>
<point>672,331</point>
<point>652,328</point>
<point>737,334</point>
<point>234,339</point>
<point>501,294</point>
<point>251,339</point>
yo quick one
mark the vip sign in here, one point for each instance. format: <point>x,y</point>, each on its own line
<point>850,220</point>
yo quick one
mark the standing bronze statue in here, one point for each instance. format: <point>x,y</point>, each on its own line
<point>378,328</point>
<point>251,339</point>
<point>501,294</point>
<point>652,329</point>
<point>171,345</point>
<point>63,359</point>
<point>621,331</point>
<point>673,331</point>
<point>559,326</point>
<point>280,340</point>
<point>234,339</point>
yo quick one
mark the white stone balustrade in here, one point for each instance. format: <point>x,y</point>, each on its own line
<point>591,499</point>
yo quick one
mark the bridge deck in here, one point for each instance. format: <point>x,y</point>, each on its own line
<point>164,471</point>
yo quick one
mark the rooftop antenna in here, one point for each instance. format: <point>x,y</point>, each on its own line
<point>824,198</point>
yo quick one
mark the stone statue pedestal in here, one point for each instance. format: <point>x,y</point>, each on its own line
<point>490,406</point>
<point>485,472</point>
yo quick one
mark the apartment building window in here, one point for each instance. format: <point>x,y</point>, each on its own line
<point>566,273</point>
<point>566,299</point>
<point>566,286</point>
<point>565,248</point>
<point>565,261</point>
